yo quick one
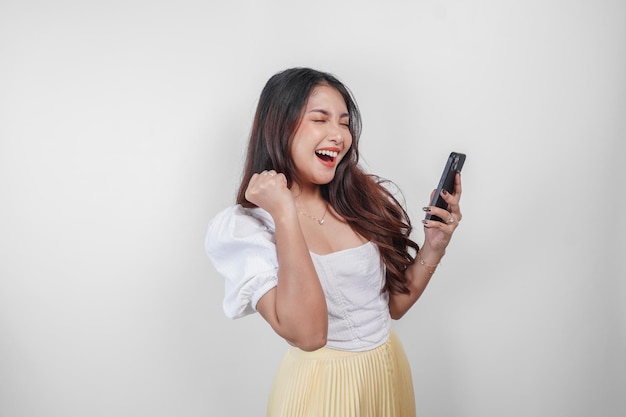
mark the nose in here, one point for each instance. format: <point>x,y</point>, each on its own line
<point>336,134</point>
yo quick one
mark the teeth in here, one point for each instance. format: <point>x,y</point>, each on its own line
<point>332,154</point>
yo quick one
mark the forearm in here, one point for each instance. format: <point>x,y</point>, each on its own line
<point>300,304</point>
<point>418,276</point>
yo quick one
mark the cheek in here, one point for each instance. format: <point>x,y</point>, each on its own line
<point>296,148</point>
<point>346,154</point>
<point>298,154</point>
<point>348,143</point>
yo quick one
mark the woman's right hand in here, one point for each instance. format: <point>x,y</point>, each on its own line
<point>269,191</point>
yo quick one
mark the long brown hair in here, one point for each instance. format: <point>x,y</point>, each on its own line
<point>360,198</point>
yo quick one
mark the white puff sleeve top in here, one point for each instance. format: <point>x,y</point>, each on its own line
<point>241,245</point>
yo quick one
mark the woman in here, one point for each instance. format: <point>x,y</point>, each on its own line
<point>323,252</point>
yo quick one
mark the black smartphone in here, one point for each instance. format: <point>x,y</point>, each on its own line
<point>454,165</point>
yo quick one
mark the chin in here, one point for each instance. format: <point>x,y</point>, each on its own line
<point>326,179</point>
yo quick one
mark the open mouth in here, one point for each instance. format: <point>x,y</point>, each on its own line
<point>326,155</point>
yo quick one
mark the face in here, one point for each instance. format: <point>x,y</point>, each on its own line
<point>323,137</point>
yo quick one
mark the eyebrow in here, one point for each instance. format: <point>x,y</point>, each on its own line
<point>327,113</point>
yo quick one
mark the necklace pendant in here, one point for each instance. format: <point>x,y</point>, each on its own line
<point>319,221</point>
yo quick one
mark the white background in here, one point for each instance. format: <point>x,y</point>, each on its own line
<point>122,131</point>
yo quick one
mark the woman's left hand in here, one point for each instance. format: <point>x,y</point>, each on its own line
<point>438,234</point>
<point>437,237</point>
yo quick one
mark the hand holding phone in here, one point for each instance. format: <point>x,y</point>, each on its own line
<point>453,165</point>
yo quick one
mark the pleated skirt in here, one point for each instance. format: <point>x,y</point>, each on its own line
<point>334,383</point>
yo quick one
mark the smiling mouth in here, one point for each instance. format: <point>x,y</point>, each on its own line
<point>326,155</point>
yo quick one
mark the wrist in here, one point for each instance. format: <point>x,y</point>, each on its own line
<point>286,216</point>
<point>429,259</point>
<point>430,255</point>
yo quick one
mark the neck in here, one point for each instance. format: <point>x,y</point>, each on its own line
<point>306,195</point>
<point>313,206</point>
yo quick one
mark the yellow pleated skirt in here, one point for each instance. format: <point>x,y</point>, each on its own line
<point>334,383</point>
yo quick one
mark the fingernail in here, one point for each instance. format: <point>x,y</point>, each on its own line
<point>425,221</point>
<point>444,192</point>
<point>426,208</point>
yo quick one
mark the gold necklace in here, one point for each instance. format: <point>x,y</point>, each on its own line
<point>320,221</point>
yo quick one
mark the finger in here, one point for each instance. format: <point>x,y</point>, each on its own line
<point>271,178</point>
<point>253,178</point>
<point>454,197</point>
<point>453,205</point>
<point>452,215</point>
<point>455,209</point>
<point>450,199</point>
<point>458,189</point>
<point>282,178</point>
<point>457,215</point>
<point>438,211</point>
<point>444,226</point>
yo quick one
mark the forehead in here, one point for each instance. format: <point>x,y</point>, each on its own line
<point>327,97</point>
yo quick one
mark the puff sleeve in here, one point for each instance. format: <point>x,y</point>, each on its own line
<point>241,244</point>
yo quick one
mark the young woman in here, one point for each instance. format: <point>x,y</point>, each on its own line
<point>323,252</point>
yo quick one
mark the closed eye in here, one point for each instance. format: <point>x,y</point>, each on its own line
<point>344,120</point>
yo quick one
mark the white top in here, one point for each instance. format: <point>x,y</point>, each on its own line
<point>241,245</point>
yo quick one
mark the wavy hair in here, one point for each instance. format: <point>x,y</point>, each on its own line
<point>361,199</point>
